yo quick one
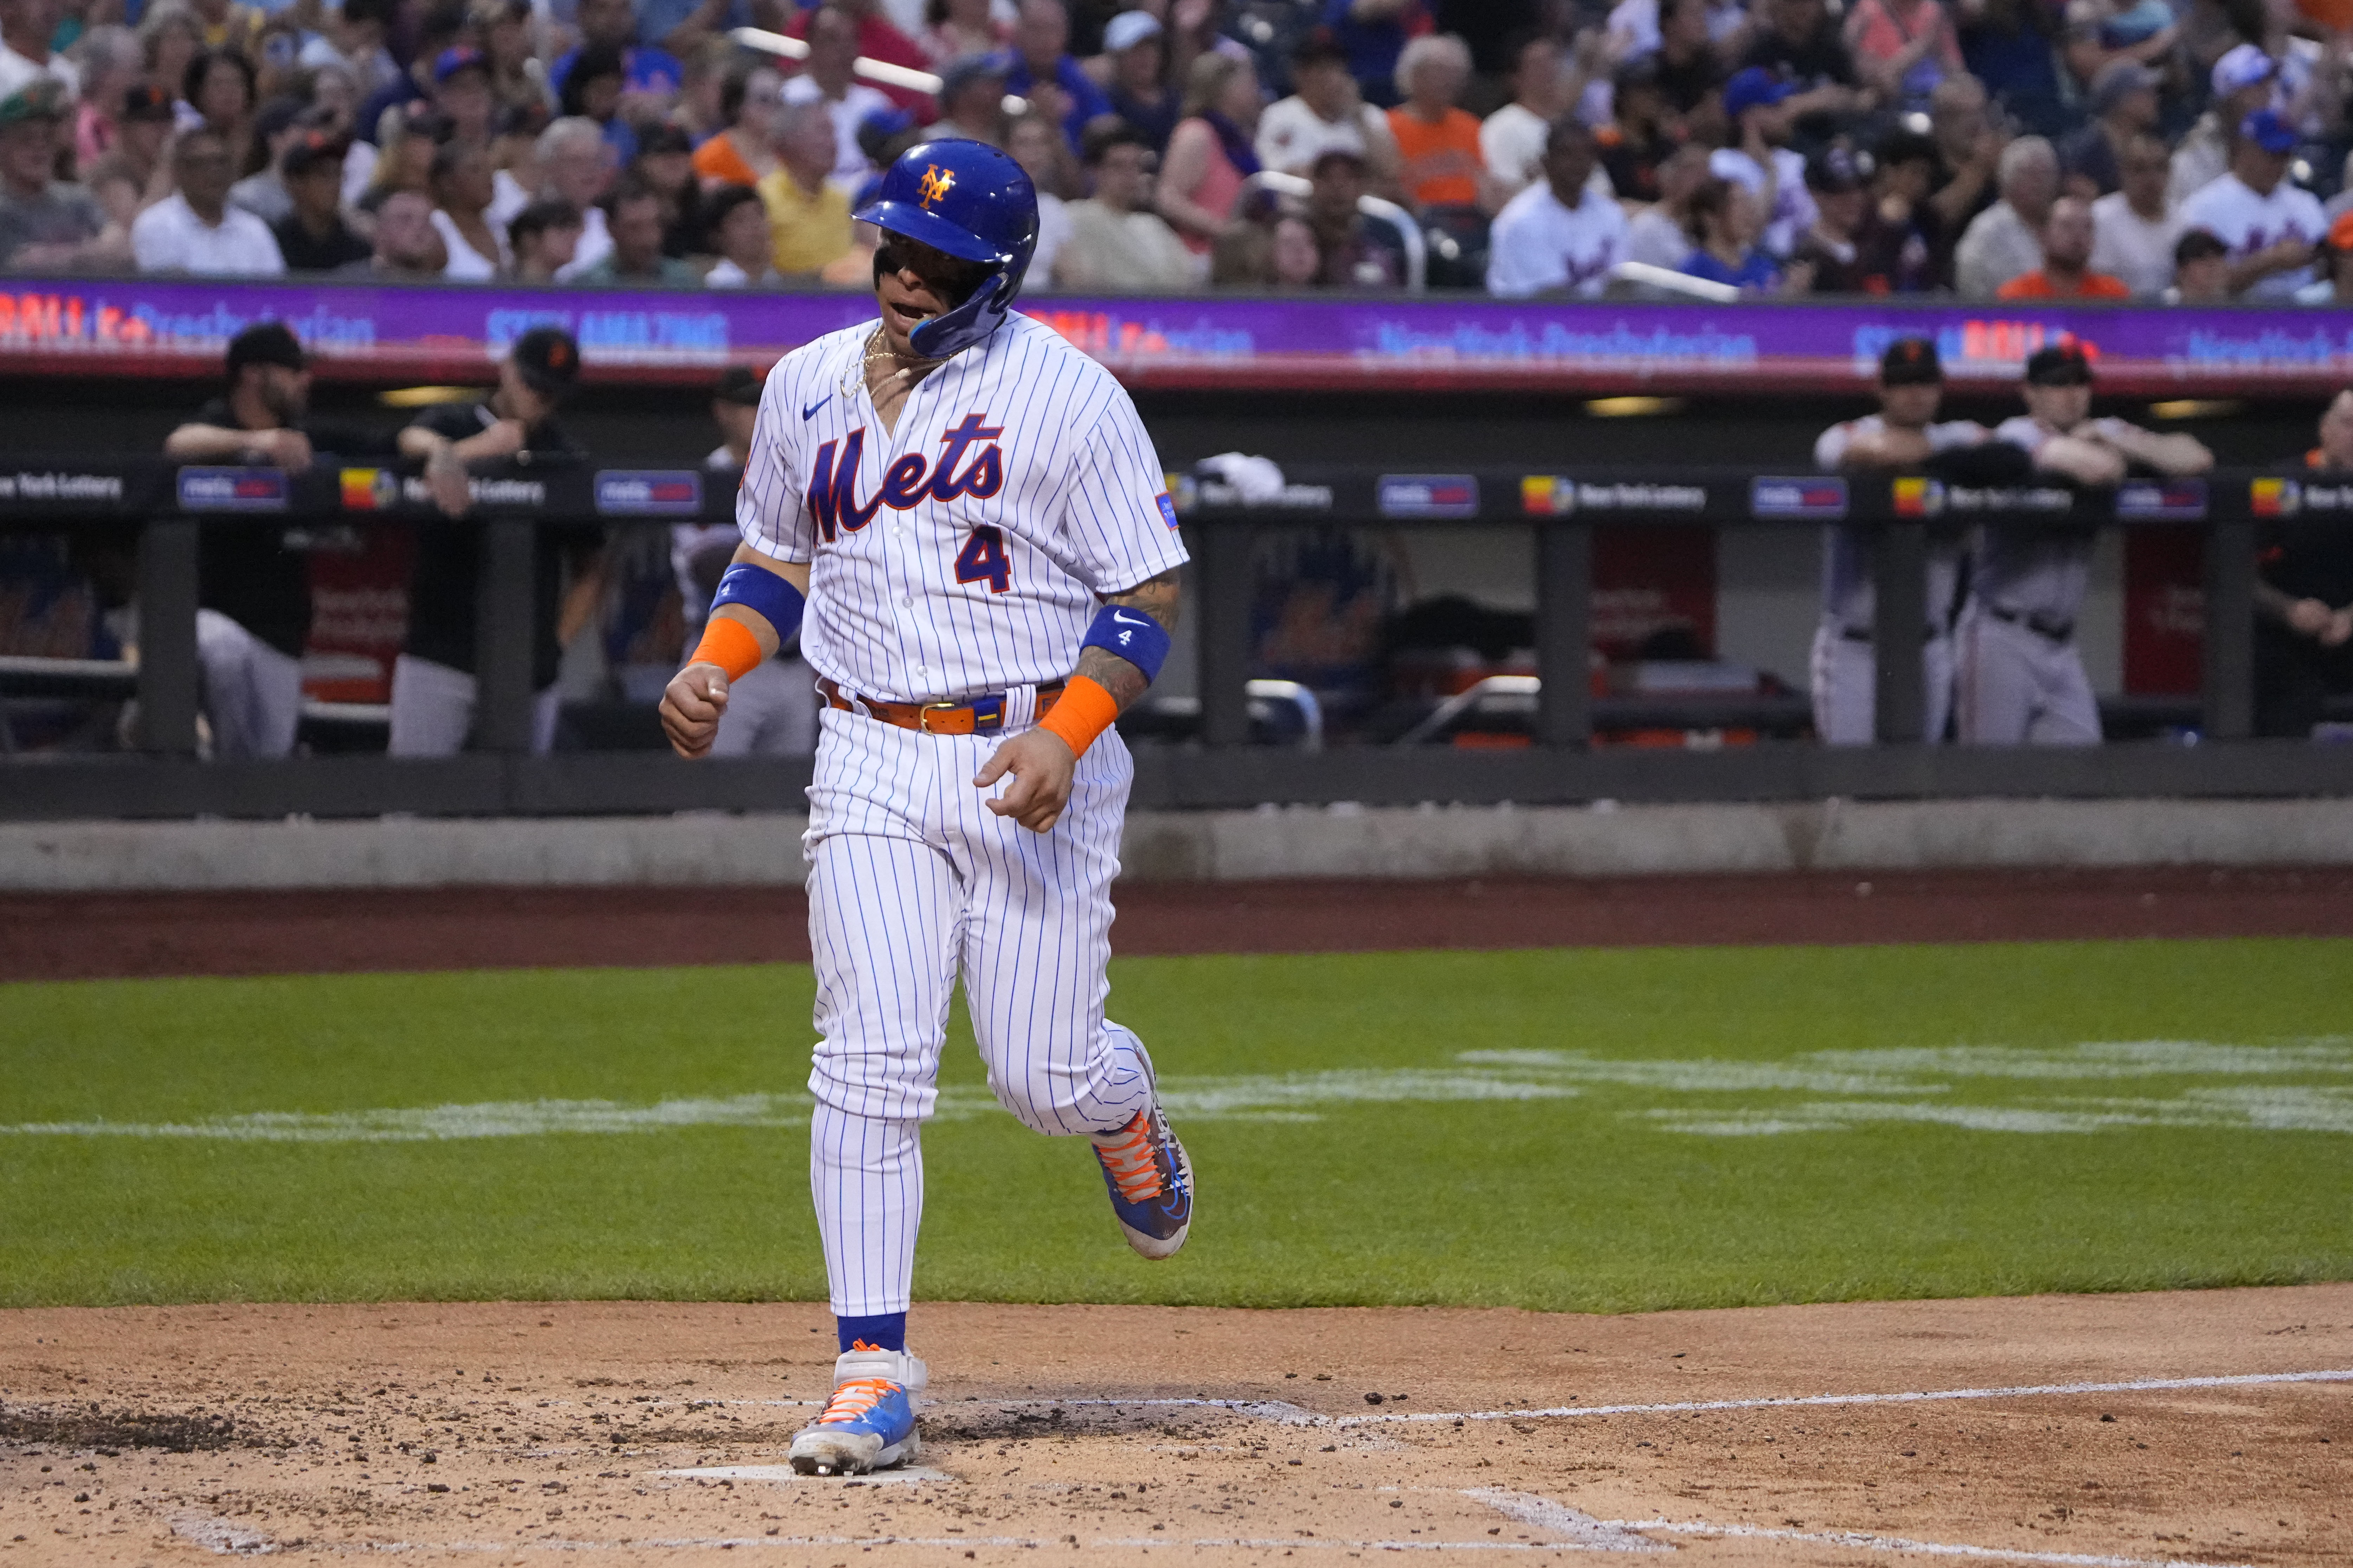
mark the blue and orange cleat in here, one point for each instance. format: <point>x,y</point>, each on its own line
<point>870,1422</point>
<point>1151,1183</point>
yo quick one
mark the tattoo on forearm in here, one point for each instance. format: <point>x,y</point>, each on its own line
<point>1113,674</point>
<point>1158,598</point>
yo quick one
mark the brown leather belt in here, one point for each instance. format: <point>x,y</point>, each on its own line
<point>972,716</point>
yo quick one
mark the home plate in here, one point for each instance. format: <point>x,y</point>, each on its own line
<point>903,1473</point>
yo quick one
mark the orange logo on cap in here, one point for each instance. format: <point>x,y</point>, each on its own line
<point>558,352</point>
<point>937,183</point>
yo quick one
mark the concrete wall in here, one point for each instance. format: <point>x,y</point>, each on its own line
<point>1291,842</point>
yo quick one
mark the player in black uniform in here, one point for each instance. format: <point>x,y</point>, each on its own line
<point>254,578</point>
<point>2304,596</point>
<point>433,681</point>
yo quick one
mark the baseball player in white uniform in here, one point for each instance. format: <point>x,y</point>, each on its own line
<point>2021,676</point>
<point>1903,434</point>
<point>772,712</point>
<point>971,514</point>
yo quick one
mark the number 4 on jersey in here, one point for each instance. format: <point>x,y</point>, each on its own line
<point>983,560</point>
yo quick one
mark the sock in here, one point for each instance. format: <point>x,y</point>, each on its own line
<point>884,1330</point>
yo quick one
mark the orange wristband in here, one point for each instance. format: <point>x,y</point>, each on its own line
<point>729,644</point>
<point>1083,711</point>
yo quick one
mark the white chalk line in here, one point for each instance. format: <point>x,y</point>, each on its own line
<point>1282,1413</point>
<point>2022,1391</point>
<point>1923,1548</point>
<point>1586,1533</point>
<point>902,1475</point>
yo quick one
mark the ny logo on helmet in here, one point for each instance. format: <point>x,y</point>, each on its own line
<point>937,183</point>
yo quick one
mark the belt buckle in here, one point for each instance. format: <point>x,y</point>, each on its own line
<point>924,723</point>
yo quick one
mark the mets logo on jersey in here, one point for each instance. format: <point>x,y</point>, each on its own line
<point>909,483</point>
<point>937,183</point>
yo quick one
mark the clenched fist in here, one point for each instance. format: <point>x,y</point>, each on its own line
<point>692,706</point>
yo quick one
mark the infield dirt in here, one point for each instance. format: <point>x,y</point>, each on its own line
<point>531,1432</point>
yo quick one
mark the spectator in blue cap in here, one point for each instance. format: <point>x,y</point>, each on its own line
<point>461,92</point>
<point>1759,162</point>
<point>2270,225</point>
<point>2241,81</point>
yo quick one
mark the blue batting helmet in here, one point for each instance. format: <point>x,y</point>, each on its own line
<point>974,202</point>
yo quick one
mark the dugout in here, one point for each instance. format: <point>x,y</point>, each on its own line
<point>1710,589</point>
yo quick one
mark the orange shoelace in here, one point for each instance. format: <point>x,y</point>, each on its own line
<point>1132,1169</point>
<point>855,1398</point>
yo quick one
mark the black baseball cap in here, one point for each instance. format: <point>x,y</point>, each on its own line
<point>548,360</point>
<point>739,383</point>
<point>313,150</point>
<point>1910,362</point>
<point>2197,245</point>
<point>265,343</point>
<point>2062,363</point>
<point>655,140</point>
<point>146,102</point>
<point>1835,169</point>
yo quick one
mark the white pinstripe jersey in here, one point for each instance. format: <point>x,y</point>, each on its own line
<point>965,554</point>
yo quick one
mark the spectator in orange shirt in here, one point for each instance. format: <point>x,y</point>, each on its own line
<point>745,151</point>
<point>1438,142</point>
<point>2065,273</point>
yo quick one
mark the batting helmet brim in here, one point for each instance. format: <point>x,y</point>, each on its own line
<point>930,228</point>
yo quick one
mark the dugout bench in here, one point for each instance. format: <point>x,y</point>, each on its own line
<point>1223,770</point>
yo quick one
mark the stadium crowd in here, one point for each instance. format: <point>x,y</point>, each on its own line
<point>2176,150</point>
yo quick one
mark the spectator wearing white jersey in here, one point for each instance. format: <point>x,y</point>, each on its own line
<point>2135,228</point>
<point>1557,236</point>
<point>2243,80</point>
<point>2269,226</point>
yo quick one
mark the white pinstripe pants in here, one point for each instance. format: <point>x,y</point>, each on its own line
<point>913,881</point>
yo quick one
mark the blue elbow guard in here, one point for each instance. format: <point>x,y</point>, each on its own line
<point>758,588</point>
<point>1130,635</point>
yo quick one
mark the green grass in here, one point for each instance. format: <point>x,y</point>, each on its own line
<point>1588,1200</point>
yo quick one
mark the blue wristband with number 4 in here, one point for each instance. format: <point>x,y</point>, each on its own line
<point>1130,635</point>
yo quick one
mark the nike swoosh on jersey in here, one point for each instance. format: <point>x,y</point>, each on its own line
<point>810,412</point>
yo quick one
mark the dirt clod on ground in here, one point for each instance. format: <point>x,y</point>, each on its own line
<point>656,1433</point>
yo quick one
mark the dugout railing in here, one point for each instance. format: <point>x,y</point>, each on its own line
<point>1221,768</point>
